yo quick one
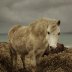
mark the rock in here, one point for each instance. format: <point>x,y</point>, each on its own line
<point>58,60</point>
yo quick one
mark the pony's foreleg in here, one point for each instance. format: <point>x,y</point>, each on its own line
<point>30,62</point>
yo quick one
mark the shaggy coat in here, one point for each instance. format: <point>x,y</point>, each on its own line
<point>30,41</point>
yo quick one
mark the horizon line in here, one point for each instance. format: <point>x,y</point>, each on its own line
<point>61,33</point>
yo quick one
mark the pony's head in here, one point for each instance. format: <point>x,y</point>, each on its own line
<point>53,32</point>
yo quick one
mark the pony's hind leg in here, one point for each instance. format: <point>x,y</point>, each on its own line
<point>23,61</point>
<point>13,59</point>
<point>23,58</point>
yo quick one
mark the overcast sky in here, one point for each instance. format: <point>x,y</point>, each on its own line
<point>25,11</point>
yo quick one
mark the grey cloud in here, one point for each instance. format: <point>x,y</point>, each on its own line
<point>25,11</point>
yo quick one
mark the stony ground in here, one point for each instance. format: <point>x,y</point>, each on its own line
<point>56,61</point>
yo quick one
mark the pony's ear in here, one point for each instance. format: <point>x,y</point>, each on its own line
<point>58,23</point>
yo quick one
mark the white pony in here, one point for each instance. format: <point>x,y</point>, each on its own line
<point>31,41</point>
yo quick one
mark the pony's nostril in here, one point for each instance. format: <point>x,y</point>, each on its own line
<point>51,47</point>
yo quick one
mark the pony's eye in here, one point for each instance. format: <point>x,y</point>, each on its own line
<point>59,33</point>
<point>48,32</point>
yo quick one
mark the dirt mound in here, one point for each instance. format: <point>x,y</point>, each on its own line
<point>58,60</point>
